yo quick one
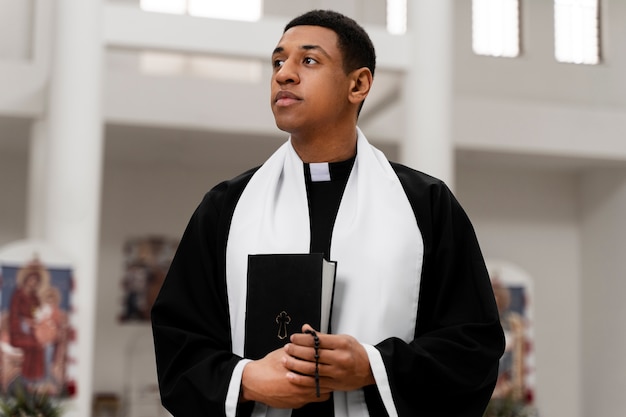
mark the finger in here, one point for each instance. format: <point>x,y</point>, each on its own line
<point>306,353</point>
<point>307,382</point>
<point>302,339</point>
<point>326,341</point>
<point>301,378</point>
<point>307,339</point>
<point>303,364</point>
<point>307,332</point>
<point>308,328</point>
<point>306,385</point>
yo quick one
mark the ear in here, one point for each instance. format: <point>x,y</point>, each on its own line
<point>360,85</point>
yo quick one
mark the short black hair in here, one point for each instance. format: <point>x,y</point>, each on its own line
<point>354,42</point>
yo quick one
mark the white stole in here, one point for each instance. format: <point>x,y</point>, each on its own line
<point>375,241</point>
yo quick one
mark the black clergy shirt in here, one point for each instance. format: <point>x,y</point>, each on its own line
<point>324,198</point>
<point>323,195</point>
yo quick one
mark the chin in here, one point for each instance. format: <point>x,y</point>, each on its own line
<point>285,127</point>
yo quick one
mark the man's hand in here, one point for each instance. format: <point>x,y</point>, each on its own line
<point>267,381</point>
<point>343,362</point>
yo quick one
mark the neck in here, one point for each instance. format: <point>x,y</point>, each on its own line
<point>332,146</point>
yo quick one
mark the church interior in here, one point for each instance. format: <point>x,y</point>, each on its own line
<point>115,120</point>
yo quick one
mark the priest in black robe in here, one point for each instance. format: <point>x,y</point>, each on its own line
<point>414,331</point>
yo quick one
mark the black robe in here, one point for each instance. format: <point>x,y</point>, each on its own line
<point>448,369</point>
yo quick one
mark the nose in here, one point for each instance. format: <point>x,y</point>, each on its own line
<point>287,73</point>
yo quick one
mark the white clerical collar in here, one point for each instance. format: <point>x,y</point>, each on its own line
<point>320,171</point>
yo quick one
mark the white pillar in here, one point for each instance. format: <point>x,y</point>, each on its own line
<point>603,230</point>
<point>427,145</point>
<point>73,180</point>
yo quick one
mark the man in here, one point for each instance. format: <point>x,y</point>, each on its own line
<point>415,326</point>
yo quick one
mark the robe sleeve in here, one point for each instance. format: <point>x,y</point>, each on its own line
<point>450,367</point>
<point>190,318</point>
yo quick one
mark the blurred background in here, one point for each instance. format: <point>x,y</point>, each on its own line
<point>117,116</point>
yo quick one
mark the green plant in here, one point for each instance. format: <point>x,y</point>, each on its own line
<point>29,404</point>
<point>509,407</point>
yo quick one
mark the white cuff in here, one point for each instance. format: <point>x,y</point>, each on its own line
<point>382,381</point>
<point>232,396</point>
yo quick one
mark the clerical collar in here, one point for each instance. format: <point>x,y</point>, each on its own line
<point>320,171</point>
<point>328,171</point>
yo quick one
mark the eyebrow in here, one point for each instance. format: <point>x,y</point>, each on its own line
<point>280,49</point>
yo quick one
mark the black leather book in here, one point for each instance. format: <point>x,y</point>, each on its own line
<point>286,291</point>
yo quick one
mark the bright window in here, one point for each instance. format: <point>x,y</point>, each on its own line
<point>495,27</point>
<point>249,10</point>
<point>396,16</point>
<point>577,31</point>
<point>219,68</point>
<point>165,6</point>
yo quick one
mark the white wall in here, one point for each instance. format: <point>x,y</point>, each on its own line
<point>531,218</point>
<point>12,197</point>
<point>139,200</point>
<point>604,286</point>
<point>152,183</point>
<point>13,180</point>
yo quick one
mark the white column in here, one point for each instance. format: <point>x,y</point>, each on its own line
<point>73,180</point>
<point>427,145</point>
<point>603,229</point>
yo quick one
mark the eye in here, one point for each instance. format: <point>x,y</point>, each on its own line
<point>277,63</point>
<point>309,60</point>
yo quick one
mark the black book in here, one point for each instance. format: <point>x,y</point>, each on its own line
<point>286,291</point>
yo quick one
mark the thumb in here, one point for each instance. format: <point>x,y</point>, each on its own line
<point>307,328</point>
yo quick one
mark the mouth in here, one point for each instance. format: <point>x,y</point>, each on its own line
<point>285,98</point>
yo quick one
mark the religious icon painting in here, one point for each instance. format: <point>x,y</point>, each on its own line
<point>37,337</point>
<point>146,262</point>
<point>513,292</point>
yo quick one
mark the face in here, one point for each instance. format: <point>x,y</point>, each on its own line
<point>31,282</point>
<point>309,88</point>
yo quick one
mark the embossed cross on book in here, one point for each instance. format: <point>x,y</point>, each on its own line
<point>283,320</point>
